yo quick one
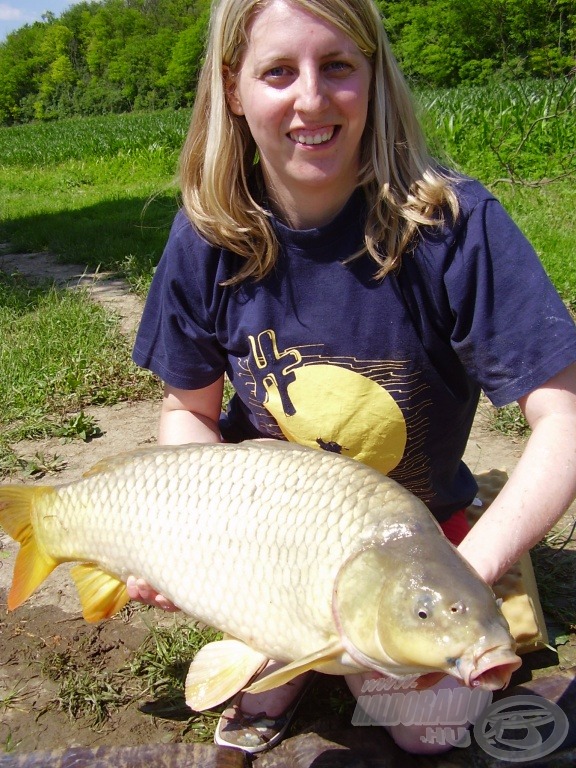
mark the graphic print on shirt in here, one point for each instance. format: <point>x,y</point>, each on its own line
<point>342,405</point>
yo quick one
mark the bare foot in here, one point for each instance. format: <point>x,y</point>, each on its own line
<point>275,702</point>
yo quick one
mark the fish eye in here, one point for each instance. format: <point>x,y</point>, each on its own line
<point>423,609</point>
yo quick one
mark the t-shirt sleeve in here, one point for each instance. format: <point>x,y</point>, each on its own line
<point>510,329</point>
<point>176,338</point>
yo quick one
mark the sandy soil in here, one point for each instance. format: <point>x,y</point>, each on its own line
<point>50,623</point>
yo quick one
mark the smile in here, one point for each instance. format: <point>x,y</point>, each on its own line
<point>312,137</point>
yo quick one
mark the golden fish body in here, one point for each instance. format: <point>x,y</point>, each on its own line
<point>301,555</point>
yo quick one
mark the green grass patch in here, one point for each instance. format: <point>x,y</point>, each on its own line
<point>152,679</point>
<point>94,191</point>
<point>59,354</point>
<point>520,140</point>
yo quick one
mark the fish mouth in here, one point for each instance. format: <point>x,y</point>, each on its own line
<point>491,670</point>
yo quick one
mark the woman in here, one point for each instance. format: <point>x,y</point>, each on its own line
<point>357,295</point>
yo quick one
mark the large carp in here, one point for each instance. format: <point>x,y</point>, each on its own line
<point>298,555</point>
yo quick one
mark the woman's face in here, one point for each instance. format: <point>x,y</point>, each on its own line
<point>303,88</point>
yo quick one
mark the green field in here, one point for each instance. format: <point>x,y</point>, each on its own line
<point>101,191</point>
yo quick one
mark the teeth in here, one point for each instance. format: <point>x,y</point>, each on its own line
<point>317,138</point>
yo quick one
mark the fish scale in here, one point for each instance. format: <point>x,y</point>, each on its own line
<point>294,552</point>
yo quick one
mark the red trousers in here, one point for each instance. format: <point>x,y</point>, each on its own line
<point>456,527</point>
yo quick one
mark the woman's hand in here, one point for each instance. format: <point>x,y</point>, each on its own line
<point>140,590</point>
<point>541,487</point>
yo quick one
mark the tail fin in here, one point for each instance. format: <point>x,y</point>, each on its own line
<point>33,565</point>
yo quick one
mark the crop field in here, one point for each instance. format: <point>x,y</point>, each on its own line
<point>102,190</point>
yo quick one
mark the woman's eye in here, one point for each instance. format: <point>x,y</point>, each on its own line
<point>276,73</point>
<point>338,67</point>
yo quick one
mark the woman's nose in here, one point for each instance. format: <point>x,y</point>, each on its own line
<point>310,93</point>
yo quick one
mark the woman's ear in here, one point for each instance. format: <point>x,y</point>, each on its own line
<point>231,91</point>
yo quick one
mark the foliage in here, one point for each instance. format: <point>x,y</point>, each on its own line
<point>100,57</point>
<point>126,55</point>
<point>446,42</point>
<point>522,132</point>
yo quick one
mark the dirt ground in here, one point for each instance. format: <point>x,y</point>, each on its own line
<point>49,625</point>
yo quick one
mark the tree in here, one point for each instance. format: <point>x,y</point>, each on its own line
<point>444,42</point>
<point>58,76</point>
<point>179,82</point>
<point>19,73</point>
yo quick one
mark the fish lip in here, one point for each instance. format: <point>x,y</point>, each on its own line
<point>491,670</point>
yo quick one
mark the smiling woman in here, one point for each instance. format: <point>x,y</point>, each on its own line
<point>303,88</point>
<point>356,294</point>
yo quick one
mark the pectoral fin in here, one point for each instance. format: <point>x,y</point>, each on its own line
<point>219,670</point>
<point>101,594</point>
<point>326,660</point>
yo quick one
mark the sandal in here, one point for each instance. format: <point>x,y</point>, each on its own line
<point>254,733</point>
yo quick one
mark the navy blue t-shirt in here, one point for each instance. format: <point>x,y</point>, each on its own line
<point>386,371</point>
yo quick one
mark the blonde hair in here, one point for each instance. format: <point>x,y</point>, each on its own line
<point>404,187</point>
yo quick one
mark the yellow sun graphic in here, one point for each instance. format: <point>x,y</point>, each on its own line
<point>332,408</point>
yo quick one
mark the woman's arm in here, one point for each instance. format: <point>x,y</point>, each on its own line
<point>541,487</point>
<point>191,415</point>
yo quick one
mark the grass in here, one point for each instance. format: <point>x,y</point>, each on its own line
<point>520,140</point>
<point>59,354</point>
<point>153,677</point>
<point>162,663</point>
<point>98,191</point>
<point>13,698</point>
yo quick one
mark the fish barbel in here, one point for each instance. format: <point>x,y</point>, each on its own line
<point>298,555</point>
